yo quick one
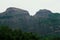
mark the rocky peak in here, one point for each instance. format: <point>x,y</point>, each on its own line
<point>13,10</point>
<point>43,13</point>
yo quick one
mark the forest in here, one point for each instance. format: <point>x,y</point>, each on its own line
<point>7,33</point>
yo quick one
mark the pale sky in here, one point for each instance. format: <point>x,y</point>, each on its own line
<point>31,5</point>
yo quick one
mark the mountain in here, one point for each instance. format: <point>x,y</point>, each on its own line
<point>44,13</point>
<point>43,22</point>
<point>14,17</point>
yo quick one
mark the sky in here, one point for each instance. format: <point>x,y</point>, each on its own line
<point>31,5</point>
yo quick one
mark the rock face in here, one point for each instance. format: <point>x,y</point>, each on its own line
<point>16,11</point>
<point>44,13</point>
<point>14,17</point>
<point>43,22</point>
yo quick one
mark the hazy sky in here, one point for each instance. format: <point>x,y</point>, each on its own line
<point>31,5</point>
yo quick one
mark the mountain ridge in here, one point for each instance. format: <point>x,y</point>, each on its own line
<point>43,22</point>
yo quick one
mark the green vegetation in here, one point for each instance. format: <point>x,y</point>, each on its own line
<point>7,33</point>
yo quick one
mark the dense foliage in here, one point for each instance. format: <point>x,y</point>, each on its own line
<point>16,34</point>
<point>7,33</point>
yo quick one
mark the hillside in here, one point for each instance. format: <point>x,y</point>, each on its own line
<point>43,22</point>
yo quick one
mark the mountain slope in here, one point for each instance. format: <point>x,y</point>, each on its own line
<point>43,22</point>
